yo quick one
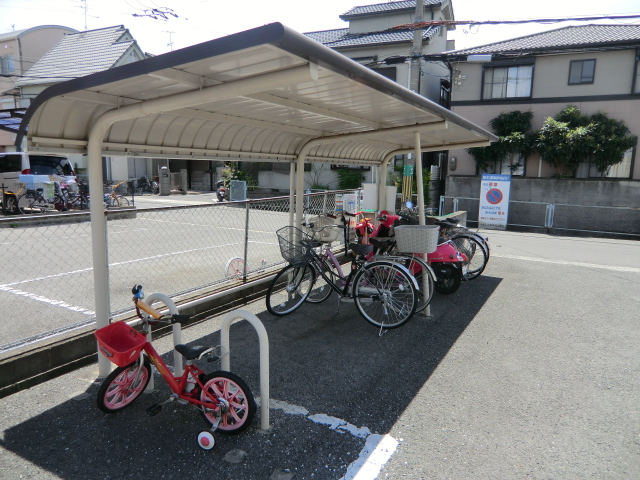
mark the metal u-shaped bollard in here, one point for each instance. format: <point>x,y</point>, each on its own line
<point>177,335</point>
<point>264,357</point>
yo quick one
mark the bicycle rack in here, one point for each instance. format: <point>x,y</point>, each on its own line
<point>264,357</point>
<point>177,335</point>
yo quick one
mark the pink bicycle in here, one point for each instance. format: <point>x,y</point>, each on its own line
<point>223,398</point>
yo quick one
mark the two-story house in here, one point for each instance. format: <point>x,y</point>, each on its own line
<point>378,36</point>
<point>19,51</point>
<point>79,54</point>
<point>594,67</point>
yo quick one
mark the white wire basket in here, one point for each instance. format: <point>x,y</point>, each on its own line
<point>417,238</point>
<point>321,230</point>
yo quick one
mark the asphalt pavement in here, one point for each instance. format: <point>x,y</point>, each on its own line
<point>531,371</point>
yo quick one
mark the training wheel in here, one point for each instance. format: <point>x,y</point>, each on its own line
<point>206,440</point>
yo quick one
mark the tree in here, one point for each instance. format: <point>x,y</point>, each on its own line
<point>611,140</point>
<point>515,141</point>
<point>571,138</point>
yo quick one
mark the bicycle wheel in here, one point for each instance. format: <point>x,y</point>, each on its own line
<point>122,387</point>
<point>384,294</point>
<point>238,407</point>
<point>235,268</point>
<point>321,290</point>
<point>121,201</point>
<point>32,202</point>
<point>289,289</point>
<point>476,255</point>
<point>448,277</point>
<point>416,265</point>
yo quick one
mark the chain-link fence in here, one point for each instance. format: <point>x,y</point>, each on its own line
<point>182,251</point>
<point>576,218</point>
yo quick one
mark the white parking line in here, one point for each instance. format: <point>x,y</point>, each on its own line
<point>377,450</point>
<point>50,301</point>
<point>565,262</point>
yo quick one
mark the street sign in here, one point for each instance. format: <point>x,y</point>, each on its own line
<point>494,201</point>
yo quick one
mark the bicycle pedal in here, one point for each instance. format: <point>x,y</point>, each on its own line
<point>154,409</point>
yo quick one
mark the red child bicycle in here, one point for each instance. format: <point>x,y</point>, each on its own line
<point>223,398</point>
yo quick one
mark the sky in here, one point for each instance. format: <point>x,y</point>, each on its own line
<point>201,20</point>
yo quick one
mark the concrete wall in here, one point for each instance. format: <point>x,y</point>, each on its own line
<point>604,205</point>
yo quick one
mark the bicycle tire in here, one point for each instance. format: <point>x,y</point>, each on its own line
<point>32,202</point>
<point>449,278</point>
<point>122,202</point>
<point>408,261</point>
<point>241,404</point>
<point>117,390</point>
<point>235,268</point>
<point>384,294</point>
<point>282,300</point>
<point>476,255</point>
<point>321,290</point>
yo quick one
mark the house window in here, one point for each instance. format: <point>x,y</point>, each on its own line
<point>6,64</point>
<point>588,169</point>
<point>581,71</point>
<point>636,80</point>
<point>507,82</point>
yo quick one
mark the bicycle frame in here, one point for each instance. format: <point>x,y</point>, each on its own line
<point>178,384</point>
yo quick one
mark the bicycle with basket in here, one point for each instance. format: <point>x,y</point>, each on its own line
<point>384,292</point>
<point>223,398</point>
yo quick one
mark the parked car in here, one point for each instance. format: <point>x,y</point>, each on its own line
<point>32,170</point>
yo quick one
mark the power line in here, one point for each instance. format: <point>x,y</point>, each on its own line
<point>433,23</point>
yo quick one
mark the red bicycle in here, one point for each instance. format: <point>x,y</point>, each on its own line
<point>223,398</point>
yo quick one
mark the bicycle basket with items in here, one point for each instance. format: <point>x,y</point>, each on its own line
<point>323,228</point>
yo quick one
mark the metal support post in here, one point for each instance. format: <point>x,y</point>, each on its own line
<point>292,197</point>
<point>421,216</point>
<point>246,242</point>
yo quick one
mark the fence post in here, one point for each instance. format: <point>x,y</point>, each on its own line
<point>549,216</point>
<point>246,242</point>
<point>455,204</point>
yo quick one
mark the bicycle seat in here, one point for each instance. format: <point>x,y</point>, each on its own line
<point>360,249</point>
<point>191,353</point>
<point>382,242</point>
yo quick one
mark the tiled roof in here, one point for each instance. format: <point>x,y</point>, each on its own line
<point>11,35</point>
<point>79,54</point>
<point>342,38</point>
<point>387,7</point>
<point>562,38</point>
<point>5,37</point>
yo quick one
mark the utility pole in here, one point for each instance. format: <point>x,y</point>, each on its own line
<point>416,50</point>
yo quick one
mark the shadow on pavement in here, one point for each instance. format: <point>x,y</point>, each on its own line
<point>332,365</point>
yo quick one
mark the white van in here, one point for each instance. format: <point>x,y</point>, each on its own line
<point>22,170</point>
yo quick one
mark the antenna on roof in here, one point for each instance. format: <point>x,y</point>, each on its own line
<point>170,44</point>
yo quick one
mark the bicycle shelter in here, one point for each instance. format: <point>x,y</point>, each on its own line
<point>266,94</point>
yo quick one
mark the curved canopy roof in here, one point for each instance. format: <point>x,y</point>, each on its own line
<point>262,94</point>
